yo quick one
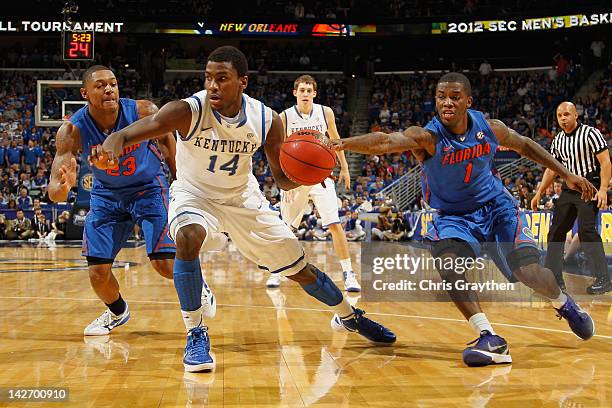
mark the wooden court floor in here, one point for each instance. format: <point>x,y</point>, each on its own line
<point>276,348</point>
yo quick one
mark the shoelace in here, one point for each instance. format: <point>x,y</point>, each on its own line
<point>359,313</point>
<point>569,309</point>
<point>198,335</point>
<point>104,319</point>
<point>478,339</point>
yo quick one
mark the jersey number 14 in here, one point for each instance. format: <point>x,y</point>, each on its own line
<point>229,166</point>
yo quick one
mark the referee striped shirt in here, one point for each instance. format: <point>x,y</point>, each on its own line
<point>577,150</point>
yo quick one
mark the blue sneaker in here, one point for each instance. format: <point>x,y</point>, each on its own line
<point>374,332</point>
<point>489,349</point>
<point>579,321</point>
<point>197,351</point>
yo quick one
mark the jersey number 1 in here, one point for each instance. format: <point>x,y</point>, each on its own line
<point>230,166</point>
<point>468,173</point>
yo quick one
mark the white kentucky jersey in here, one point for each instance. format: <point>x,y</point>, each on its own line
<point>214,159</point>
<point>295,120</point>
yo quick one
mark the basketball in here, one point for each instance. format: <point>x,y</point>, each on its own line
<point>305,159</point>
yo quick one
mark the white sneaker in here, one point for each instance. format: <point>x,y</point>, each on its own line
<point>107,322</point>
<point>350,282</point>
<point>209,302</point>
<point>273,281</point>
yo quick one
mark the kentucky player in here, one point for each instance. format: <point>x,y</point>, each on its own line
<point>456,149</point>
<point>306,114</point>
<point>133,190</point>
<point>220,128</point>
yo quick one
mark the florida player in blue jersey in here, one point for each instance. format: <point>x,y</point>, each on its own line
<point>131,191</point>
<point>456,150</point>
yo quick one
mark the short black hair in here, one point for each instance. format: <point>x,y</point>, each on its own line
<point>94,68</point>
<point>233,55</point>
<point>457,77</point>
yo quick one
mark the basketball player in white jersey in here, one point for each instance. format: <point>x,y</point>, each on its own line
<point>218,131</point>
<point>306,114</point>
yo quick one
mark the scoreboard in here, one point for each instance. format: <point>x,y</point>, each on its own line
<point>78,45</point>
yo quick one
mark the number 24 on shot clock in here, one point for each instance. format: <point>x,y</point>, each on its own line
<point>78,45</point>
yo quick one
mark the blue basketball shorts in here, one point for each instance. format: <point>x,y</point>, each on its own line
<point>498,228</point>
<point>110,222</point>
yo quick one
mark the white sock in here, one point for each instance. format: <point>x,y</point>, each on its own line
<point>560,301</point>
<point>479,322</point>
<point>346,265</point>
<point>192,319</point>
<point>343,308</point>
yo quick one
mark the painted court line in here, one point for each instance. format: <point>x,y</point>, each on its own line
<point>306,309</point>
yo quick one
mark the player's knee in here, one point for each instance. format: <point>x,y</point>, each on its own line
<point>305,276</point>
<point>99,274</point>
<point>165,267</point>
<point>446,251</point>
<point>189,240</point>
<point>524,264</point>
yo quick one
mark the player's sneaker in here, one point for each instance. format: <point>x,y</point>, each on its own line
<point>350,282</point>
<point>579,321</point>
<point>374,332</point>
<point>197,351</point>
<point>489,349</point>
<point>273,281</point>
<point>107,322</point>
<point>600,286</point>
<point>209,302</point>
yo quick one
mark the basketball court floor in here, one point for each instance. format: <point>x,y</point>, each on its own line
<point>275,348</point>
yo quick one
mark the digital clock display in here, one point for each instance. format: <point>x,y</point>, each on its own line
<point>78,45</point>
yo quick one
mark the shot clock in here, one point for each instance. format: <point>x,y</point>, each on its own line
<point>78,45</point>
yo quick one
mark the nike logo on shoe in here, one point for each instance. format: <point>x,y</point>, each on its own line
<point>495,349</point>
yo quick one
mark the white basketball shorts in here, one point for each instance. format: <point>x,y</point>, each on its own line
<point>256,230</point>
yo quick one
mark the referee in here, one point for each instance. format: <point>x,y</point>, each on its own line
<point>584,151</point>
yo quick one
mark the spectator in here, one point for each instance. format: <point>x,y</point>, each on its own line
<point>41,227</point>
<point>485,68</point>
<point>384,224</point>
<point>20,227</point>
<point>270,188</point>
<point>43,196</point>
<point>352,226</point>
<point>24,201</point>
<point>2,227</point>
<point>58,228</point>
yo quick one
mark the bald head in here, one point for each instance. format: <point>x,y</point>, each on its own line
<point>567,116</point>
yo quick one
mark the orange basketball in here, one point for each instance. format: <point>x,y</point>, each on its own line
<point>305,159</point>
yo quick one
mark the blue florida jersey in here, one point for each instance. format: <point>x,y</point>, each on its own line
<point>460,177</point>
<point>140,165</point>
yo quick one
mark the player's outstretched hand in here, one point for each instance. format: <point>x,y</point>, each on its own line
<point>581,184</point>
<point>336,144</point>
<point>68,175</point>
<point>101,159</point>
<point>344,177</point>
<point>113,145</point>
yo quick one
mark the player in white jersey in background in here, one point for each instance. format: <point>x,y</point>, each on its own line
<point>306,114</point>
<point>215,191</point>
